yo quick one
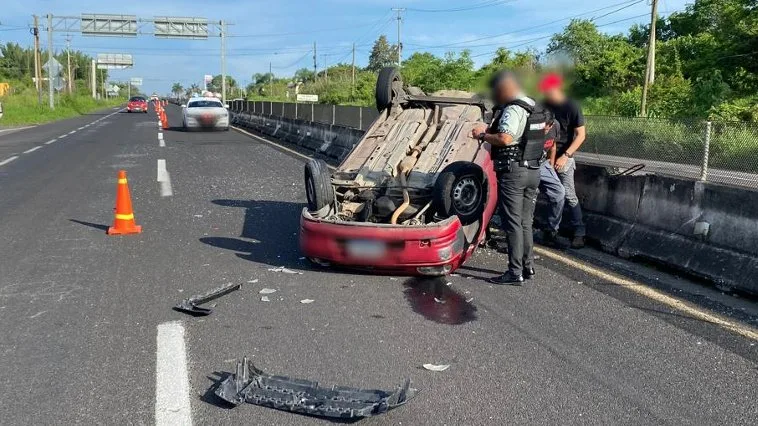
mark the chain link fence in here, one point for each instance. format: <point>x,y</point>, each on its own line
<point>719,152</point>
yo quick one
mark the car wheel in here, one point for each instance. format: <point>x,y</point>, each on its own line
<point>459,191</point>
<point>384,91</point>
<point>318,185</point>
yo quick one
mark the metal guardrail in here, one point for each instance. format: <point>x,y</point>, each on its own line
<point>718,152</point>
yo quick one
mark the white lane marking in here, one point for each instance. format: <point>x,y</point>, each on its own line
<point>51,141</point>
<point>32,149</point>
<point>81,128</point>
<point>72,132</point>
<point>62,136</point>
<point>172,390</point>
<point>8,160</point>
<point>164,179</point>
<point>14,129</point>
<point>291,151</point>
<point>161,142</point>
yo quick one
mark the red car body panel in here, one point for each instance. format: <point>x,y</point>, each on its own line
<point>140,106</point>
<point>408,247</point>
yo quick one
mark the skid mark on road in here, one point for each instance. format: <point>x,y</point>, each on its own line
<point>172,401</point>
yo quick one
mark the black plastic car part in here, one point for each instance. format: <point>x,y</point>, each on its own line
<point>251,385</point>
<point>190,306</point>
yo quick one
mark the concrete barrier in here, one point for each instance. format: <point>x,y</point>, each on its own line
<point>707,230</point>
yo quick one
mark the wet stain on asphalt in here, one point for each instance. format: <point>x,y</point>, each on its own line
<point>438,302</point>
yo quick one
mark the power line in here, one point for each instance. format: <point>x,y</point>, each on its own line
<point>595,18</point>
<point>483,4</point>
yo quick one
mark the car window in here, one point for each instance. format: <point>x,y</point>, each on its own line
<point>136,99</point>
<point>204,104</point>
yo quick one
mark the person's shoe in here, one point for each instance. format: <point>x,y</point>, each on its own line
<point>550,239</point>
<point>528,273</point>
<point>577,242</point>
<point>507,278</point>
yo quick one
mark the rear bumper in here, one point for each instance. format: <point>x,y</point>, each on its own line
<point>435,249</point>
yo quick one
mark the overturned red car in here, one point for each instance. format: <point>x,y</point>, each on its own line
<point>414,196</point>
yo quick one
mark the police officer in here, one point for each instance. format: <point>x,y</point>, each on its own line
<point>517,136</point>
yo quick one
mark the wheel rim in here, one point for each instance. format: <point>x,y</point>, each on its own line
<point>466,195</point>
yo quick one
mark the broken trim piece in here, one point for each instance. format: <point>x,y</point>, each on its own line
<point>190,306</point>
<point>251,385</point>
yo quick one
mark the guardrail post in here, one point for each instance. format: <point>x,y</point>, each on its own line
<point>706,152</point>
<point>295,117</point>
<point>360,118</point>
<point>283,109</point>
<point>312,112</point>
<point>334,112</point>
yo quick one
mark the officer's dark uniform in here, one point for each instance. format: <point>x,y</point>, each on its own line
<point>517,168</point>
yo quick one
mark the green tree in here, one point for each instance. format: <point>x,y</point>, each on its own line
<point>177,89</point>
<point>382,54</point>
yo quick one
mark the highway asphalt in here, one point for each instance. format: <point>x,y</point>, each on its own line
<point>81,311</point>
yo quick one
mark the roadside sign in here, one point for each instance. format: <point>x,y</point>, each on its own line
<point>307,98</point>
<point>136,81</point>
<point>207,78</point>
<point>52,66</point>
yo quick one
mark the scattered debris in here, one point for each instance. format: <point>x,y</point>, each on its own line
<point>285,270</point>
<point>267,291</point>
<point>198,215</point>
<point>439,300</point>
<point>449,283</point>
<point>306,301</point>
<point>469,300</point>
<point>253,281</point>
<point>251,385</point>
<point>265,299</point>
<point>190,306</point>
<point>433,367</point>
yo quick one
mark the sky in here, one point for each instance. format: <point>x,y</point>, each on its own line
<point>281,34</point>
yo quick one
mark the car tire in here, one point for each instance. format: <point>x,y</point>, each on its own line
<point>318,185</point>
<point>384,92</point>
<point>460,191</point>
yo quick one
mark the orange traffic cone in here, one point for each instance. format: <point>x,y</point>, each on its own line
<point>164,120</point>
<point>123,222</point>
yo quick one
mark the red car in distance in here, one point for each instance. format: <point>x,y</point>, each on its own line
<point>415,195</point>
<point>137,104</point>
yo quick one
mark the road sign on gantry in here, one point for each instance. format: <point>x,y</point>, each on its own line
<point>109,25</point>
<point>114,61</point>
<point>178,27</point>
<point>136,81</point>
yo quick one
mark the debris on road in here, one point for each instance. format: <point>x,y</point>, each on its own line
<point>433,367</point>
<point>267,291</point>
<point>251,385</point>
<point>265,299</point>
<point>190,306</point>
<point>306,301</point>
<point>253,281</point>
<point>284,270</point>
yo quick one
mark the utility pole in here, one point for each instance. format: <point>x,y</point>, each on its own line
<point>68,60</point>
<point>352,82</point>
<point>270,80</point>
<point>650,68</point>
<point>223,62</point>
<point>399,11</point>
<point>326,69</point>
<point>37,60</point>
<point>315,64</point>
<point>50,92</point>
<point>93,79</point>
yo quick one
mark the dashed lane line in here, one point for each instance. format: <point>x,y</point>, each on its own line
<point>172,390</point>
<point>51,141</point>
<point>161,142</point>
<point>164,179</point>
<point>651,293</point>
<point>32,149</point>
<point>8,160</point>
<point>72,132</point>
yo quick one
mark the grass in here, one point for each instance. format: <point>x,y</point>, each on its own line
<point>23,109</point>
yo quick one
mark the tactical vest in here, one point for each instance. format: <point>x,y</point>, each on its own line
<point>530,148</point>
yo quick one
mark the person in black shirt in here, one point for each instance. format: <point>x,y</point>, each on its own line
<point>570,138</point>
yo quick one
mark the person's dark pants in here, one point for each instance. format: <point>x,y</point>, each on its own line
<point>517,190</point>
<point>552,187</point>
